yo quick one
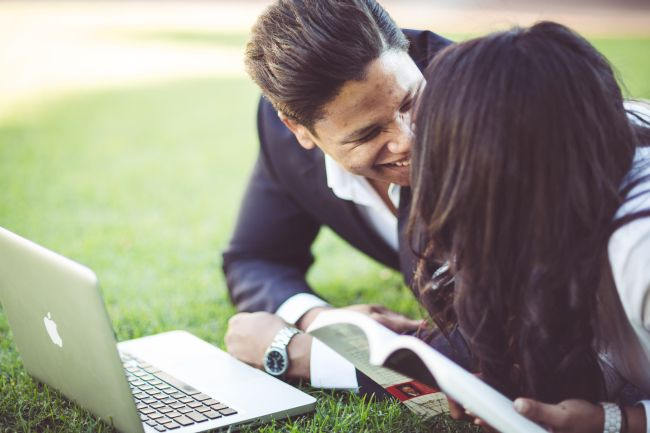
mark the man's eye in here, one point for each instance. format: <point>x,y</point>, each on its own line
<point>406,107</point>
<point>370,136</point>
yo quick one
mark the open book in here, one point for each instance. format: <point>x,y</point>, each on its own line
<point>413,372</point>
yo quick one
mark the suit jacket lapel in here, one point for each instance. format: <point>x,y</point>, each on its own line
<point>343,215</point>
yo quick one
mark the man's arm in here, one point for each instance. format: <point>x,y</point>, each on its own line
<point>266,262</point>
<point>265,266</point>
<point>269,254</point>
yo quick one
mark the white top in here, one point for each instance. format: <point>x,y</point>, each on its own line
<point>357,189</point>
<point>628,347</point>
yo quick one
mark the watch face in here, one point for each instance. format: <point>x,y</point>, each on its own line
<point>275,362</point>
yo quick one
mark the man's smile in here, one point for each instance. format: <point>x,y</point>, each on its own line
<point>404,162</point>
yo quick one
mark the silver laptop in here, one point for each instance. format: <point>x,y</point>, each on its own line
<point>166,382</point>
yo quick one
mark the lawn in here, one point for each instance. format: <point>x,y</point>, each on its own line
<point>142,184</point>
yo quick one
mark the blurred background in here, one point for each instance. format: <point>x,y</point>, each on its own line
<point>49,48</point>
<point>127,132</point>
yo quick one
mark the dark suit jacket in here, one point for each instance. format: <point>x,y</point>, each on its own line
<point>286,203</point>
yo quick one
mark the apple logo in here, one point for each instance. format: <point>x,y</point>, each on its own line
<point>50,326</point>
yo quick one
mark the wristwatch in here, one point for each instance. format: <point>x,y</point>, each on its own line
<point>276,360</point>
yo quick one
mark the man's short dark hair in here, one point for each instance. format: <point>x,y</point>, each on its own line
<point>301,52</point>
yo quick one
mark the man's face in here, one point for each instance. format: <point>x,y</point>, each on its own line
<point>367,128</point>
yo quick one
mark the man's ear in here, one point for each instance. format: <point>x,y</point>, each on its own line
<point>302,134</point>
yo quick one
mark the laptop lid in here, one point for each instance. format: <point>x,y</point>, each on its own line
<point>62,330</point>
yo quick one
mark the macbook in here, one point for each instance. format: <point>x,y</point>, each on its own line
<point>172,381</point>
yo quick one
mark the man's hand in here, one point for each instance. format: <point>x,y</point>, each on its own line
<point>390,319</point>
<point>250,334</point>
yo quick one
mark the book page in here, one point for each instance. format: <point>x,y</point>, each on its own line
<point>353,334</point>
<point>351,343</point>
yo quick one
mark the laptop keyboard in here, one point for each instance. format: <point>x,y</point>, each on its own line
<point>166,403</point>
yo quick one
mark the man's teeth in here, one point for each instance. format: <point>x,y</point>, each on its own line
<point>403,163</point>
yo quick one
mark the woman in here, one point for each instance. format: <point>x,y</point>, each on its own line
<point>529,180</point>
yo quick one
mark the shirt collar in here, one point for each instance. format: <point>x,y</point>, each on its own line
<point>348,186</point>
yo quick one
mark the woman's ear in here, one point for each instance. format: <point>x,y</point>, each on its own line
<point>302,134</point>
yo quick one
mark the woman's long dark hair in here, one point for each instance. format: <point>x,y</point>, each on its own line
<point>522,145</point>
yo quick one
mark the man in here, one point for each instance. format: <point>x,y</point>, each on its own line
<point>339,80</point>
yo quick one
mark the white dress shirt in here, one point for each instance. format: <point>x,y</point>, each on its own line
<point>328,369</point>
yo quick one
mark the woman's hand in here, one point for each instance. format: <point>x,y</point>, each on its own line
<point>577,416</point>
<point>458,412</point>
<point>569,416</point>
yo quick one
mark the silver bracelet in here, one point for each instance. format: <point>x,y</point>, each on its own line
<point>613,418</point>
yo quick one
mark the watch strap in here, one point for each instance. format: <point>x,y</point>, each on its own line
<point>613,418</point>
<point>284,336</point>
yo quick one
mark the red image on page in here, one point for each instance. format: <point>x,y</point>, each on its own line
<point>408,390</point>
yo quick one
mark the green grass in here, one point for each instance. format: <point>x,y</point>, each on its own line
<point>142,184</point>
<point>223,39</point>
<point>631,60</point>
<point>628,55</point>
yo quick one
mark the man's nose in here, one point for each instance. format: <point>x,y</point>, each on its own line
<point>401,141</point>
